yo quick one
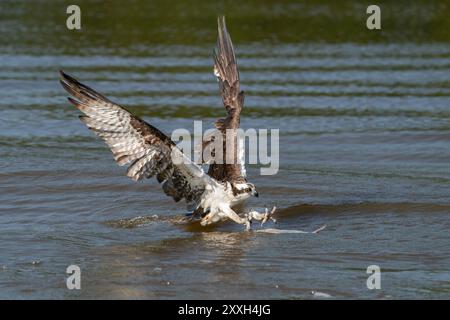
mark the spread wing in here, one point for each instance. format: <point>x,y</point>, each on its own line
<point>226,71</point>
<point>132,140</point>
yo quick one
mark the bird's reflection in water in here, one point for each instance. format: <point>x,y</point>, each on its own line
<point>227,242</point>
<point>228,252</point>
<point>166,268</point>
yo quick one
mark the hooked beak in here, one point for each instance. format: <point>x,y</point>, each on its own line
<point>255,194</point>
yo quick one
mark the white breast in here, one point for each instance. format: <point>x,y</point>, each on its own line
<point>218,197</point>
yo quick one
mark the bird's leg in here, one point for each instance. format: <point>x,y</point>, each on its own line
<point>236,218</point>
<point>263,217</point>
<point>204,215</point>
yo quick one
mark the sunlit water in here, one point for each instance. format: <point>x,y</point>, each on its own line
<point>364,149</point>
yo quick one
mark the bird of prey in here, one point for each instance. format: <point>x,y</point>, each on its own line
<point>150,152</point>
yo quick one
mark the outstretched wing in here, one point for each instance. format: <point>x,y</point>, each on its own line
<point>226,71</point>
<point>134,141</point>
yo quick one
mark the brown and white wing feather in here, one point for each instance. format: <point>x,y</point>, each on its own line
<point>227,73</point>
<point>134,141</point>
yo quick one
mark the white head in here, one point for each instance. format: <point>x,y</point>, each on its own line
<point>244,190</point>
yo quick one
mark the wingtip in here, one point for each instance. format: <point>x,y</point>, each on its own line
<point>74,102</point>
<point>63,77</point>
<point>66,78</point>
<point>221,23</point>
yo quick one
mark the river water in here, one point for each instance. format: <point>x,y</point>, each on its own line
<point>364,149</point>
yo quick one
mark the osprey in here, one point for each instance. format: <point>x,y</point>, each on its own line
<point>211,195</point>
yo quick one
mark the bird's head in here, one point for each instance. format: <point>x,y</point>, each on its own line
<point>247,189</point>
<point>253,191</point>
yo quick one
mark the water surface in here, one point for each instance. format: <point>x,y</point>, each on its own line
<point>364,138</point>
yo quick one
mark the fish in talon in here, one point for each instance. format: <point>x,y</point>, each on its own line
<point>263,217</point>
